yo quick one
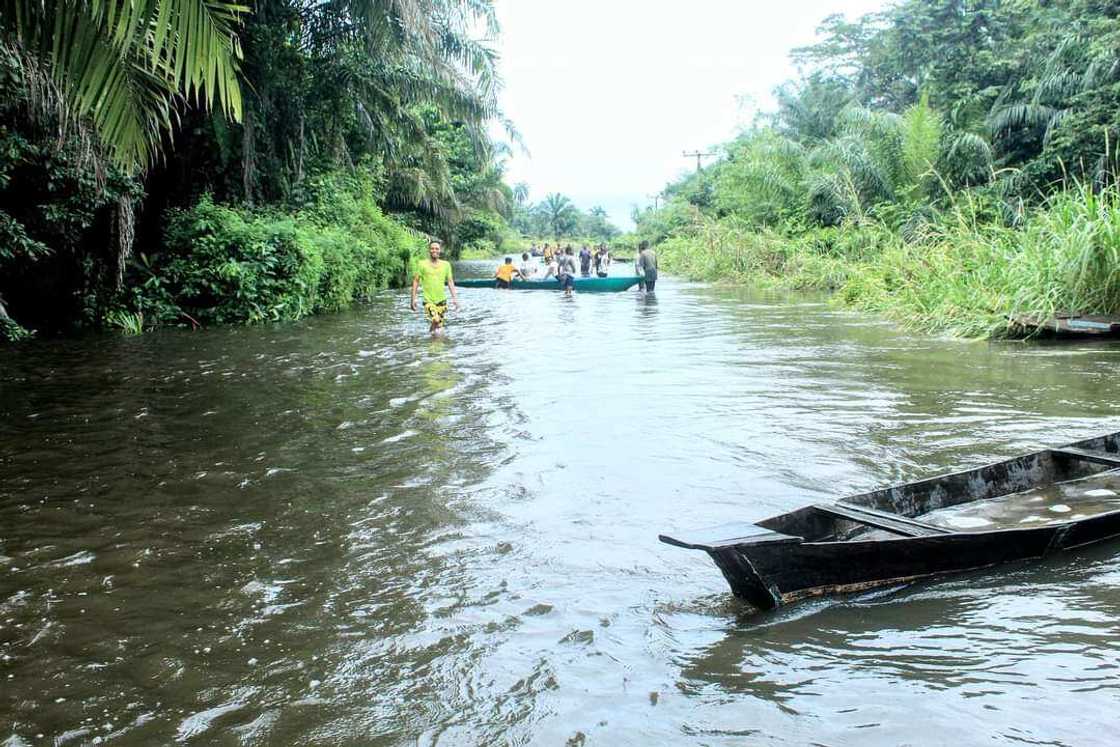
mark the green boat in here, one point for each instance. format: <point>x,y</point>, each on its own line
<point>582,285</point>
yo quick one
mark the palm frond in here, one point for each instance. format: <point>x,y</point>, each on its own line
<point>122,63</point>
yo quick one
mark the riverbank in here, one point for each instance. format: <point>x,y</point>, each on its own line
<point>961,273</point>
<point>219,264</point>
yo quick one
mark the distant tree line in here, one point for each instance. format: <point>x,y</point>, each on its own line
<point>557,216</point>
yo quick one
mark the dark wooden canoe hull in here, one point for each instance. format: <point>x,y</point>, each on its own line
<point>819,550</point>
<point>1064,325</point>
<point>769,575</point>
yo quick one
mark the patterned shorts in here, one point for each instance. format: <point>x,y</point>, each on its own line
<point>435,311</point>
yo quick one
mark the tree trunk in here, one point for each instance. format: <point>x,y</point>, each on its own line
<point>126,235</point>
<point>248,155</point>
<point>302,150</point>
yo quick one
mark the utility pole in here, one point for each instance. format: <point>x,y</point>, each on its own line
<point>697,155</point>
<point>656,198</point>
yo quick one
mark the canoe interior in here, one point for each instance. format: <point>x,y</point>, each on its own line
<point>916,499</point>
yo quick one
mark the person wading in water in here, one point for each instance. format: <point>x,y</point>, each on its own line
<point>432,275</point>
<point>566,271</point>
<point>646,264</point>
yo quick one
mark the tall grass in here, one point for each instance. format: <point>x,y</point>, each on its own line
<point>960,275</point>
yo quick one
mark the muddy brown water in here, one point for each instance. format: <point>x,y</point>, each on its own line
<point>341,532</point>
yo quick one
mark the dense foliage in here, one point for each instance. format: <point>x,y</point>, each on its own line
<point>235,265</point>
<point>932,119</point>
<point>123,125</point>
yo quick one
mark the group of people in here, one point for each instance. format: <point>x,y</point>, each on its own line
<point>433,276</point>
<point>559,264</point>
<point>597,260</point>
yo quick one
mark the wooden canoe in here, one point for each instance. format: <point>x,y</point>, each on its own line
<point>581,285</point>
<point>1064,325</point>
<point>906,532</point>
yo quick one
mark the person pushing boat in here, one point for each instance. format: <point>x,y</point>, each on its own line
<point>566,271</point>
<point>503,276</point>
<point>432,275</point>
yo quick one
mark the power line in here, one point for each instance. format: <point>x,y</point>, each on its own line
<point>698,155</point>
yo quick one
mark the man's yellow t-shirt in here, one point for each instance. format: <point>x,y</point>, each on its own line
<point>433,278</point>
<point>505,272</point>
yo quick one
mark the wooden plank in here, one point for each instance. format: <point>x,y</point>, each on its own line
<point>1100,457</point>
<point>729,534</point>
<point>894,524</point>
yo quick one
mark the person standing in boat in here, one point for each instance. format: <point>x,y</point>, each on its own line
<point>432,275</point>
<point>585,262</point>
<point>528,267</point>
<point>566,270</point>
<point>646,264</point>
<point>602,261</point>
<point>552,270</point>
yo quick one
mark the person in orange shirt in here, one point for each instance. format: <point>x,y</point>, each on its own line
<point>504,275</point>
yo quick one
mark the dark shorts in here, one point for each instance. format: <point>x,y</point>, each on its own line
<point>566,282</point>
<point>499,283</point>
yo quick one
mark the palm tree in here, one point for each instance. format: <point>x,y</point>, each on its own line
<point>336,82</point>
<point>120,66</point>
<point>559,213</point>
<point>521,193</point>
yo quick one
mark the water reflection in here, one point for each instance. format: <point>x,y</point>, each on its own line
<point>344,531</point>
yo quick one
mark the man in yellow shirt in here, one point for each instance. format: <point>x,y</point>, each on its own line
<point>504,274</point>
<point>431,275</point>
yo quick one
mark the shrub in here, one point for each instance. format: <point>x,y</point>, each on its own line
<point>236,265</point>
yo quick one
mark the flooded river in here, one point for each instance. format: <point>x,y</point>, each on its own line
<point>342,532</point>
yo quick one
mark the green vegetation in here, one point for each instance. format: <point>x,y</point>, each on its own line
<point>180,162</point>
<point>947,163</point>
<point>228,265</point>
<point>962,274</point>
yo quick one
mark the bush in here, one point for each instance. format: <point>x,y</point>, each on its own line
<point>234,265</point>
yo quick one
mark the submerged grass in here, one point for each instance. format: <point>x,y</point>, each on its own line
<point>958,275</point>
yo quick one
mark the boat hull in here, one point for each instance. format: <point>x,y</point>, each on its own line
<point>768,576</point>
<point>581,285</point>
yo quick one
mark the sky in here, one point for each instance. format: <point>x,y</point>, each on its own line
<point>607,94</point>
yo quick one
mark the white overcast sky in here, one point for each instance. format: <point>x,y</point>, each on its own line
<point>608,93</point>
